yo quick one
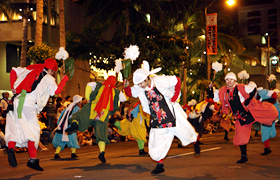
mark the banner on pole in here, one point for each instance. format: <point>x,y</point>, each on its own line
<point>211,34</point>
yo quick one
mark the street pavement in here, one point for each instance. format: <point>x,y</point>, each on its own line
<point>216,161</point>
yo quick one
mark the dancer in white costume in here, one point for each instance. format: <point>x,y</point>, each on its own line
<point>158,96</point>
<point>34,85</point>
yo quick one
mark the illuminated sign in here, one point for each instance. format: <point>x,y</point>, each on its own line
<point>211,34</point>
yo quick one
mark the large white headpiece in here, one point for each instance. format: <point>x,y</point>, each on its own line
<point>142,73</point>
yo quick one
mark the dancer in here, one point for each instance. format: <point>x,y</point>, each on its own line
<point>198,113</point>
<point>245,108</point>
<point>61,138</point>
<point>135,125</point>
<point>268,132</point>
<point>158,96</point>
<point>103,101</point>
<point>224,120</point>
<point>33,86</point>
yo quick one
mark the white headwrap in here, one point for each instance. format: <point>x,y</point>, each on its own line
<point>77,98</point>
<point>231,75</point>
<point>142,73</point>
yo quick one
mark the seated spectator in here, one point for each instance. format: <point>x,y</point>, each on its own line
<point>116,117</point>
<point>2,140</point>
<point>58,110</point>
<point>113,135</point>
<point>67,101</point>
<point>42,116</point>
<point>208,126</point>
<point>41,146</point>
<point>2,124</point>
<point>87,137</point>
<point>84,102</point>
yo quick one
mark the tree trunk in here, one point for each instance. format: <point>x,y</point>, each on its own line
<point>49,34</point>
<point>24,42</point>
<point>185,86</point>
<point>62,32</point>
<point>61,24</point>
<point>39,22</point>
<point>127,22</point>
<point>62,42</point>
<point>185,70</point>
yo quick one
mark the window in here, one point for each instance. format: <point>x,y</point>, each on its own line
<point>255,29</point>
<point>253,21</point>
<point>253,13</point>
<point>272,18</point>
<point>272,26</point>
<point>272,11</point>
<point>12,56</point>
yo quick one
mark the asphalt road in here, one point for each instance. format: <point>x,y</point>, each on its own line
<point>217,161</point>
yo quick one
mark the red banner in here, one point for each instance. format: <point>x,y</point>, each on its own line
<point>211,34</point>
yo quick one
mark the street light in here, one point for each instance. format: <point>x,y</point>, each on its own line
<point>230,2</point>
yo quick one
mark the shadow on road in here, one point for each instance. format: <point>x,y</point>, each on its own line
<point>164,177</point>
<point>24,177</point>
<point>267,171</point>
<point>137,168</point>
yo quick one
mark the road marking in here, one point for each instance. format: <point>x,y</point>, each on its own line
<point>78,176</point>
<point>185,154</point>
<point>208,138</point>
<point>234,167</point>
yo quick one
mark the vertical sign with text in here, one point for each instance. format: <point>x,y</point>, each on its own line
<point>211,34</point>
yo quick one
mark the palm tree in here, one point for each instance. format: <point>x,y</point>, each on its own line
<point>185,16</point>
<point>187,23</point>
<point>61,24</point>
<point>121,13</point>
<point>24,40</point>
<point>39,22</point>
<point>42,7</point>
<point>22,8</point>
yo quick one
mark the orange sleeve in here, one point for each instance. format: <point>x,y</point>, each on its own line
<point>61,85</point>
<point>177,90</point>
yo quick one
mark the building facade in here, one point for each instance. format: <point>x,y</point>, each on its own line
<point>11,35</point>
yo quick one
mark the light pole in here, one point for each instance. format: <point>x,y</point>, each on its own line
<point>207,56</point>
<point>268,53</point>
<point>208,61</point>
